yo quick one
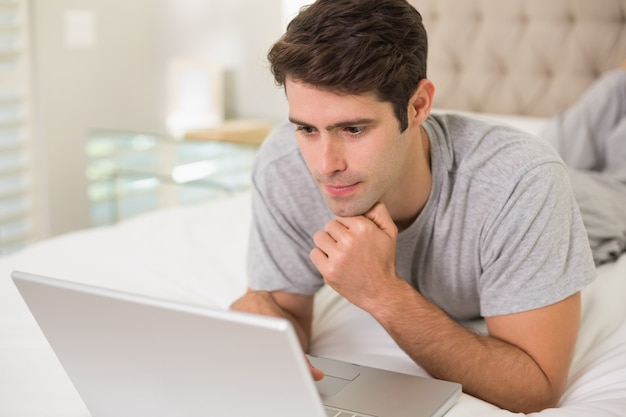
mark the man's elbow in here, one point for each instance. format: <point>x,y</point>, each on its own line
<point>541,400</point>
<point>540,404</point>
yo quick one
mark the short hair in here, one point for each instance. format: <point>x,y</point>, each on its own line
<point>355,47</point>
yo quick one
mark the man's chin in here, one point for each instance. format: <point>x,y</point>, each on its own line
<point>340,209</point>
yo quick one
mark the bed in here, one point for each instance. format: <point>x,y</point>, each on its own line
<point>195,253</point>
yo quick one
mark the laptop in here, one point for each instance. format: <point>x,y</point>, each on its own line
<point>131,355</point>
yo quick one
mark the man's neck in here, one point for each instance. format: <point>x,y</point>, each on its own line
<point>418,185</point>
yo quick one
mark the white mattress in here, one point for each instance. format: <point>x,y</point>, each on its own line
<point>196,254</point>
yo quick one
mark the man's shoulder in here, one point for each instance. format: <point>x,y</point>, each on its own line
<point>279,159</point>
<point>492,151</point>
<point>279,144</point>
<point>283,183</point>
<point>279,167</point>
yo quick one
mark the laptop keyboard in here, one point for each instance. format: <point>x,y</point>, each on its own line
<point>332,412</point>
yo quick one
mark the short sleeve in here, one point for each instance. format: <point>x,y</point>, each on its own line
<point>534,249</point>
<point>278,257</point>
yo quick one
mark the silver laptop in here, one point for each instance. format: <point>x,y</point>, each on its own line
<point>130,355</point>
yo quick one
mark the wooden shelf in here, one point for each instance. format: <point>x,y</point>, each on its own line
<point>251,132</point>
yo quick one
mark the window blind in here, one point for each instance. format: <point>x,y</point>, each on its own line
<point>17,225</point>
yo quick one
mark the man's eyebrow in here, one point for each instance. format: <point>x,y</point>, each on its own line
<point>342,124</point>
<point>297,122</point>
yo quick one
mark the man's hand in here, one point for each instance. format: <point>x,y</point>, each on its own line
<point>356,255</point>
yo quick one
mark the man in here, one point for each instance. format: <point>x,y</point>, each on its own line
<point>420,220</point>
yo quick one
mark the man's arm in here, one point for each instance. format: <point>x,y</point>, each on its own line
<point>296,308</point>
<point>522,365</point>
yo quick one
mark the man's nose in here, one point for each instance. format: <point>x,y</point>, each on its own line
<point>332,158</point>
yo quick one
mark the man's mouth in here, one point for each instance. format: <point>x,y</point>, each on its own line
<point>338,190</point>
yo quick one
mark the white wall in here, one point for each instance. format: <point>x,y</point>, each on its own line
<point>236,33</point>
<point>291,8</point>
<point>121,80</point>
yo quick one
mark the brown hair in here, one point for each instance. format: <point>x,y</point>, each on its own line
<point>355,47</point>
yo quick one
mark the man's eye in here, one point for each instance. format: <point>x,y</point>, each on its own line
<point>307,130</point>
<point>355,130</point>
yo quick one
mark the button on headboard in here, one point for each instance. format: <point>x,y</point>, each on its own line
<point>529,57</point>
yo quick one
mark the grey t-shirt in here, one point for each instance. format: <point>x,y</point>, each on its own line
<point>500,233</point>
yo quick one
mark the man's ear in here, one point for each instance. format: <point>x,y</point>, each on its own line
<point>421,102</point>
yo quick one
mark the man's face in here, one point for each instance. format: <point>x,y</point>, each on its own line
<point>352,145</point>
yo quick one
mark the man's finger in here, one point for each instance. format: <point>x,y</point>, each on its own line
<point>381,217</point>
<point>317,374</point>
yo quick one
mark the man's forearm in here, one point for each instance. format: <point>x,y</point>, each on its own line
<point>488,368</point>
<point>263,302</point>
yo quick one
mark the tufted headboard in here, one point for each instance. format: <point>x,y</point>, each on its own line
<point>528,57</point>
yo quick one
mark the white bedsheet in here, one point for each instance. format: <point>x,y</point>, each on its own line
<point>196,254</point>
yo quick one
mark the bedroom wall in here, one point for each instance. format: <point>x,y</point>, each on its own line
<point>108,84</point>
<point>237,34</point>
<point>117,76</point>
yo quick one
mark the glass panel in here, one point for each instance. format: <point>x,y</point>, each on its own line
<point>131,172</point>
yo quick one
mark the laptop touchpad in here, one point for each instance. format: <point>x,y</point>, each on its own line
<point>330,385</point>
<point>337,375</point>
